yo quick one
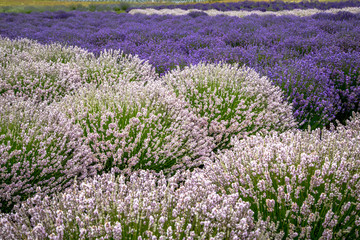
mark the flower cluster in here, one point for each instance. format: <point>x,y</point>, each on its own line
<point>44,73</point>
<point>303,185</point>
<point>114,67</point>
<point>39,147</point>
<point>235,100</point>
<point>144,207</point>
<point>132,126</point>
<point>49,72</point>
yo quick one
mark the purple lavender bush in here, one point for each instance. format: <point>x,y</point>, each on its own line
<point>196,14</point>
<point>39,148</point>
<point>303,185</point>
<point>49,72</point>
<point>132,126</point>
<point>146,207</point>
<point>325,46</point>
<point>235,100</point>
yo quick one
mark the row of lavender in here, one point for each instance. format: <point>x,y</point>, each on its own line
<point>93,138</point>
<point>259,6</point>
<point>242,13</point>
<point>314,60</point>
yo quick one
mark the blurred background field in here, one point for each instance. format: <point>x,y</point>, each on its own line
<point>118,6</point>
<point>86,3</point>
<point>28,6</point>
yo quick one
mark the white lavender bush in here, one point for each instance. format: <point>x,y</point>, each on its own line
<point>132,126</point>
<point>49,72</point>
<point>146,207</point>
<point>303,185</point>
<point>235,100</point>
<point>114,67</point>
<point>30,74</point>
<point>26,49</point>
<point>38,148</point>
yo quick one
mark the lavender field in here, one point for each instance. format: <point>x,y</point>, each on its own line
<point>184,123</point>
<point>272,6</point>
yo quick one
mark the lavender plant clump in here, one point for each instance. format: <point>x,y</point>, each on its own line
<point>303,185</point>
<point>39,147</point>
<point>235,101</point>
<point>132,126</point>
<point>49,72</point>
<point>314,60</point>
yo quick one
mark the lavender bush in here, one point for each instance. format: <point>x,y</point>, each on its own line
<point>132,126</point>
<point>235,100</point>
<point>303,185</point>
<point>41,72</point>
<point>114,67</point>
<point>146,207</point>
<point>282,48</point>
<point>49,72</point>
<point>39,147</point>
